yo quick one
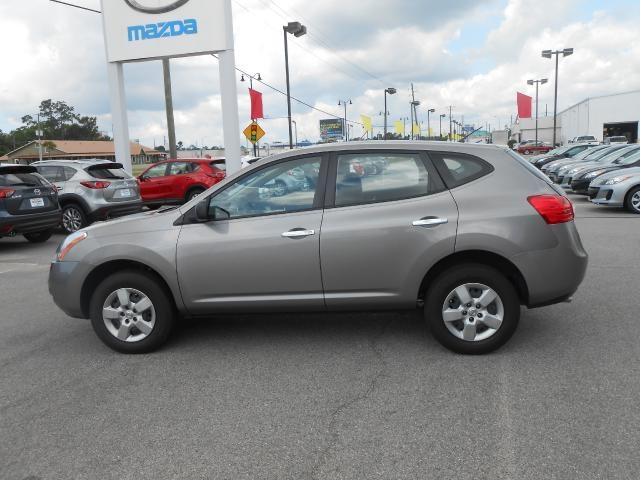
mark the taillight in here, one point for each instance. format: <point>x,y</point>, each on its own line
<point>95,185</point>
<point>553,208</point>
<point>6,192</point>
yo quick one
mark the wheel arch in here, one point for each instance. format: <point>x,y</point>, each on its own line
<point>103,270</point>
<point>70,198</point>
<point>481,257</point>
<point>628,193</point>
<point>193,187</point>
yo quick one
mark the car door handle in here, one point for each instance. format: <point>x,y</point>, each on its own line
<point>298,233</point>
<point>430,222</point>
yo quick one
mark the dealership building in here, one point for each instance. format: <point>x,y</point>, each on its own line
<point>603,116</point>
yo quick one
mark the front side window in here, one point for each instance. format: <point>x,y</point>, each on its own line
<point>382,177</point>
<point>285,187</point>
<point>156,171</point>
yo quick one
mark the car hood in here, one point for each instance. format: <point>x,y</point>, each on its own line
<point>635,171</point>
<point>140,222</point>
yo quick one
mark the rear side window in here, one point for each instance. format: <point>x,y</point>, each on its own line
<point>457,168</point>
<point>52,173</point>
<point>21,180</point>
<point>383,177</point>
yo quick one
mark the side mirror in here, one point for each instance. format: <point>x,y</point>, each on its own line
<point>220,213</point>
<point>142,178</point>
<point>202,211</point>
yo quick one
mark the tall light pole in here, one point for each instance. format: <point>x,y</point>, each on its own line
<point>450,120</point>
<point>548,54</point>
<point>297,30</point>
<point>442,115</point>
<point>414,115</point>
<point>429,112</point>
<point>539,82</point>
<point>345,126</point>
<point>390,91</point>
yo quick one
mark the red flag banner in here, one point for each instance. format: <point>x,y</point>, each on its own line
<point>256,104</point>
<point>524,105</point>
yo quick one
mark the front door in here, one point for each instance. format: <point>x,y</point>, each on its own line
<point>154,183</point>
<point>389,224</point>
<point>265,255</point>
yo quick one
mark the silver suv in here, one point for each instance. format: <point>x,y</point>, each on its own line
<point>91,190</point>
<point>467,233</point>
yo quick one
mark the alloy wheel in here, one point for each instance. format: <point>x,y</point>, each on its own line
<point>635,201</point>
<point>129,315</point>
<point>72,219</point>
<point>473,312</point>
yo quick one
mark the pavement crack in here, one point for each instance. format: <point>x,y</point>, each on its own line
<point>371,386</point>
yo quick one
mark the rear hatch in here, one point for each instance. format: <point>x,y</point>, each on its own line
<point>116,184</point>
<point>23,191</point>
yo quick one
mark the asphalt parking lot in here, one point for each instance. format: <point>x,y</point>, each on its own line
<point>348,396</point>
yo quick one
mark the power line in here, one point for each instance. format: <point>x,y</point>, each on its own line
<point>76,6</point>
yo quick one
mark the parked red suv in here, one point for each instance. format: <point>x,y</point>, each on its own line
<point>178,181</point>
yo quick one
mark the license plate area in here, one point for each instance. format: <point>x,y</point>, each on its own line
<point>36,202</point>
<point>124,193</point>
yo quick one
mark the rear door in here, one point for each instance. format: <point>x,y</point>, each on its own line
<point>180,179</point>
<point>382,231</point>
<point>54,175</point>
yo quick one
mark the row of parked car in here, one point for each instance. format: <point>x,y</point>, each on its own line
<point>608,174</point>
<point>533,147</point>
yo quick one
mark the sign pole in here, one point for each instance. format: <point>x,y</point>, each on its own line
<point>118,101</point>
<point>229,94</point>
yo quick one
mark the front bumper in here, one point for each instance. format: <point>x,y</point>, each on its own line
<point>607,195</point>
<point>65,286</point>
<point>37,222</point>
<point>580,186</point>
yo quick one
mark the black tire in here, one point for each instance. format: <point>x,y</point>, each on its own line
<point>77,212</point>
<point>39,237</point>
<point>162,304</point>
<point>446,282</point>
<point>628,201</point>
<point>194,192</point>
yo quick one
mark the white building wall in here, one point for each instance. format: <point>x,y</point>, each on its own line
<point>589,116</point>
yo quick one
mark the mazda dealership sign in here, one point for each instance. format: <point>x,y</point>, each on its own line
<point>149,29</point>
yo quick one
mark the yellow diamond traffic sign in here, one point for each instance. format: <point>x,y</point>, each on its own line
<point>254,132</point>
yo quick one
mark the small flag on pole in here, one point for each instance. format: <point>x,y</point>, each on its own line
<point>368,125</point>
<point>399,127</point>
<point>256,104</point>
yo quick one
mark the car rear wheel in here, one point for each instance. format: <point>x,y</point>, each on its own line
<point>527,152</point>
<point>73,218</point>
<point>633,200</point>
<point>39,237</point>
<point>472,309</point>
<point>131,312</point>
<point>193,193</point>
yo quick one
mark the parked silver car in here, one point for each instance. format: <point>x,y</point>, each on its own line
<point>468,233</point>
<point>91,190</point>
<point>620,188</point>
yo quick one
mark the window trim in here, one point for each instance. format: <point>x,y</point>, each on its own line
<point>318,199</point>
<point>445,174</point>
<point>166,170</point>
<point>330,190</point>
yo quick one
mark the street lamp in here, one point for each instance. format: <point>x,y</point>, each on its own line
<point>442,115</point>
<point>548,54</point>
<point>390,91</point>
<point>346,129</point>
<point>295,124</point>
<point>539,82</point>
<point>429,112</point>
<point>297,30</point>
<point>414,115</point>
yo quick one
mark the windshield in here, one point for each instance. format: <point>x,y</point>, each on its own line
<point>629,157</point>
<point>559,150</point>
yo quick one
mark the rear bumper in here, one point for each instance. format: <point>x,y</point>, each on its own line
<point>65,286</point>
<point>116,210</point>
<point>37,222</point>
<point>554,275</point>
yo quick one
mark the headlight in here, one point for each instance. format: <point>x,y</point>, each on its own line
<point>68,243</point>
<point>594,174</point>
<point>615,180</point>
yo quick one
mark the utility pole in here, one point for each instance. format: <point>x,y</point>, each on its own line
<point>39,134</point>
<point>548,54</point>
<point>450,120</point>
<point>168,100</point>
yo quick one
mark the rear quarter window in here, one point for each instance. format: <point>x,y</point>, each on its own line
<point>457,169</point>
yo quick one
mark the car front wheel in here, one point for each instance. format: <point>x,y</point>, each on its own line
<point>633,200</point>
<point>472,309</point>
<point>131,312</point>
